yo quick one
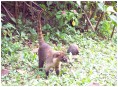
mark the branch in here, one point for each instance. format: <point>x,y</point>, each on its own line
<point>16,13</point>
<point>33,7</point>
<point>99,21</point>
<point>8,13</point>
<point>88,19</point>
<point>113,31</point>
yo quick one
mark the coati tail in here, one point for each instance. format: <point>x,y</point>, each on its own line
<point>39,29</point>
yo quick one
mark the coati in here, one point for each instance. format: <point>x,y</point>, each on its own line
<point>73,48</point>
<point>46,54</point>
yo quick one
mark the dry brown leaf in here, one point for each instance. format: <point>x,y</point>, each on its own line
<point>38,76</point>
<point>4,72</point>
<point>94,84</point>
<point>32,72</point>
<point>21,71</point>
<point>35,50</point>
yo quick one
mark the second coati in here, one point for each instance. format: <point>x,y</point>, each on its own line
<point>47,55</point>
<point>73,48</point>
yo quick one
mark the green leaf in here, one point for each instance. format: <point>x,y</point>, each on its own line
<point>43,6</point>
<point>110,9</point>
<point>78,2</point>
<point>9,26</point>
<point>49,3</point>
<point>13,19</point>
<point>58,16</point>
<point>101,6</point>
<point>113,18</point>
<point>32,31</point>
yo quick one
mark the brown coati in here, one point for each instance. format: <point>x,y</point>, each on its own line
<point>46,54</point>
<point>73,48</point>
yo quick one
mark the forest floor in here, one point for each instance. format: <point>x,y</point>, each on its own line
<point>96,64</point>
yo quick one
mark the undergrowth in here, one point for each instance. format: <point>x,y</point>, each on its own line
<point>96,62</point>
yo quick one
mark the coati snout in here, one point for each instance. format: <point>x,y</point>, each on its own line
<point>73,48</point>
<point>64,59</point>
<point>61,56</point>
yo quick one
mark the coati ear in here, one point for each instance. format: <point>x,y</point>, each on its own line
<point>57,54</point>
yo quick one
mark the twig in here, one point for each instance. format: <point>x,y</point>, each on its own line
<point>99,21</point>
<point>23,15</point>
<point>88,19</point>
<point>38,7</point>
<point>93,11</point>
<point>33,8</point>
<point>16,13</point>
<point>113,31</point>
<point>8,13</point>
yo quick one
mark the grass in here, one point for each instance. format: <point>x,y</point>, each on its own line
<point>96,62</point>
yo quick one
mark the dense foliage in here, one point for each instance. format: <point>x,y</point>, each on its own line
<point>63,24</point>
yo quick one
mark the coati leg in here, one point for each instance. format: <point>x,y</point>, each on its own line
<point>41,63</point>
<point>47,71</point>
<point>57,70</point>
<point>55,64</point>
<point>41,59</point>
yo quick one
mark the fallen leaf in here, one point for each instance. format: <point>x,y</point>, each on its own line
<point>32,72</point>
<point>38,76</point>
<point>21,71</point>
<point>35,50</point>
<point>94,84</point>
<point>4,72</point>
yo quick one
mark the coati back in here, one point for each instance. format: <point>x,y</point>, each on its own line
<point>73,48</point>
<point>46,54</point>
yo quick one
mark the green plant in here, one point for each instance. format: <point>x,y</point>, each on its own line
<point>25,31</point>
<point>8,29</point>
<point>109,17</point>
<point>65,17</point>
<point>105,28</point>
